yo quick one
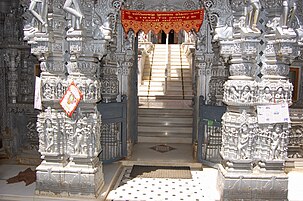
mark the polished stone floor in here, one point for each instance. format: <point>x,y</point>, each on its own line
<point>195,188</point>
<point>202,186</point>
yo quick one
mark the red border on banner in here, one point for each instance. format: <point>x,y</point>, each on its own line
<point>158,20</point>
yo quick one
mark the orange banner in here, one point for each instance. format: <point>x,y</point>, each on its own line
<point>166,21</point>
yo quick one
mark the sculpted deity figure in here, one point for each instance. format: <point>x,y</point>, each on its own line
<point>49,135</point>
<point>276,141</point>
<point>243,142</point>
<point>223,32</point>
<point>103,30</point>
<point>288,13</point>
<point>107,27</point>
<point>234,95</point>
<point>246,95</point>
<point>79,137</point>
<point>279,95</point>
<point>91,91</point>
<point>73,7</point>
<point>38,8</point>
<point>267,96</point>
<point>252,15</point>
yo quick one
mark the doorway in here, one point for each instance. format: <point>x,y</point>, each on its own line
<point>172,37</point>
<point>165,112</point>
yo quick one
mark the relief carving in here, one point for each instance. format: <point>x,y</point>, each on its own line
<point>75,15</point>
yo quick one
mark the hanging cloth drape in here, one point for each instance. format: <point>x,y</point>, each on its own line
<point>156,20</point>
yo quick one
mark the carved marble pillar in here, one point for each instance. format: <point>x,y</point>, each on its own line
<point>109,74</point>
<point>69,145</point>
<point>47,44</point>
<point>254,152</point>
<point>219,74</point>
<point>83,173</point>
<point>239,122</point>
<point>275,88</point>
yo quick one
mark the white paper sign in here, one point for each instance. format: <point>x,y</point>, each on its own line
<point>268,114</point>
<point>38,99</point>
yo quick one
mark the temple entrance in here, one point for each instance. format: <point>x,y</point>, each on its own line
<point>165,113</point>
<point>164,84</point>
<point>172,37</point>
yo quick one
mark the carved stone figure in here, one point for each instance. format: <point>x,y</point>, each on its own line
<point>252,15</point>
<point>103,30</point>
<point>234,94</point>
<point>91,91</point>
<point>276,140</point>
<point>73,7</point>
<point>243,142</point>
<point>279,96</point>
<point>288,13</point>
<point>38,8</point>
<point>223,33</point>
<point>49,135</point>
<point>246,95</point>
<point>78,139</point>
<point>267,96</point>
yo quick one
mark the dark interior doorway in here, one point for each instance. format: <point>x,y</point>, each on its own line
<point>171,37</point>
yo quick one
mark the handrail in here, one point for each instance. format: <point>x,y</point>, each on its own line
<point>182,78</point>
<point>166,64</point>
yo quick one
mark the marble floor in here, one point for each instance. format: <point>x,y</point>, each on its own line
<point>118,185</point>
<point>146,153</point>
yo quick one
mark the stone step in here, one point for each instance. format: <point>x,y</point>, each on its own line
<point>162,78</point>
<point>165,140</point>
<point>164,131</point>
<point>177,66</point>
<point>169,83</point>
<point>166,112</point>
<point>151,93</point>
<point>169,70</point>
<point>171,63</point>
<point>168,95</point>
<point>172,73</point>
<point>161,88</point>
<point>172,56</point>
<point>179,75</point>
<point>160,91</point>
<point>164,121</point>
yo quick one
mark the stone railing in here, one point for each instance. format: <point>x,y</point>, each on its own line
<point>144,51</point>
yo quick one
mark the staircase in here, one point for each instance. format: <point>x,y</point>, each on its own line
<point>179,76</point>
<point>165,112</point>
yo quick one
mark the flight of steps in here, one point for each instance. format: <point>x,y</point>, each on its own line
<point>167,118</point>
<point>165,125</point>
<point>179,77</point>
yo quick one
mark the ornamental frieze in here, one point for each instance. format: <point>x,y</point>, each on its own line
<point>240,92</point>
<point>274,92</point>
<point>271,142</point>
<point>238,133</point>
<point>82,67</point>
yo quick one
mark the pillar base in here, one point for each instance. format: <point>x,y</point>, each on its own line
<point>256,185</point>
<point>72,180</point>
